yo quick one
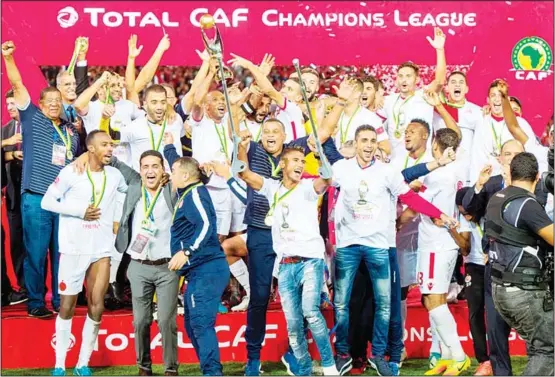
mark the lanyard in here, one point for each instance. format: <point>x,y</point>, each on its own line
<point>480,232</point>
<point>157,146</point>
<point>275,170</point>
<point>415,162</point>
<point>96,200</point>
<point>257,135</point>
<point>149,206</point>
<point>344,133</point>
<point>65,139</point>
<point>179,202</point>
<point>278,200</point>
<point>222,138</point>
<point>497,140</point>
<point>396,117</point>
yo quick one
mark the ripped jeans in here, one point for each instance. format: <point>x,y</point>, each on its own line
<point>299,286</point>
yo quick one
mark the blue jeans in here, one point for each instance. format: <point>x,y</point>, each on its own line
<point>40,237</point>
<point>299,286</point>
<point>347,261</point>
<point>205,286</point>
<point>395,343</point>
<point>261,265</point>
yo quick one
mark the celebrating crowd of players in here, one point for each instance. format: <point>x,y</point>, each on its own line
<point>404,200</point>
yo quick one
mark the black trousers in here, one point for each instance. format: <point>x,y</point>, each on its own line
<point>361,313</point>
<point>476,300</point>
<point>498,332</point>
<point>17,249</point>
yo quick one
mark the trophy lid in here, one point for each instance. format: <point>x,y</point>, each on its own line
<point>207,21</point>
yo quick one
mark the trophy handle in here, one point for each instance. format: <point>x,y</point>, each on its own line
<point>214,46</point>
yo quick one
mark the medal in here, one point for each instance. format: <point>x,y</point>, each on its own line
<point>269,220</point>
<point>399,118</point>
<point>97,194</point>
<point>222,138</point>
<point>397,134</point>
<point>156,146</point>
<point>69,155</point>
<point>146,224</point>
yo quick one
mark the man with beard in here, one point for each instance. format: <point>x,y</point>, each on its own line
<point>400,108</point>
<point>466,115</point>
<point>50,143</point>
<point>492,133</point>
<point>86,204</point>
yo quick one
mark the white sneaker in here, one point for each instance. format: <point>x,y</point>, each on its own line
<point>331,371</point>
<point>243,306</point>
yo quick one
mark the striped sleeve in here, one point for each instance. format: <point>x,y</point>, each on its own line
<point>239,191</point>
<point>198,216</point>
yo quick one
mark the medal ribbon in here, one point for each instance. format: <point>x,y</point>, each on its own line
<point>149,207</point>
<point>445,101</point>
<point>415,162</point>
<point>96,201</point>
<point>183,197</point>
<point>275,170</point>
<point>278,200</point>
<point>257,135</point>
<point>222,138</point>
<point>396,117</point>
<point>343,133</point>
<point>157,146</point>
<point>480,232</point>
<point>496,140</point>
<point>65,139</point>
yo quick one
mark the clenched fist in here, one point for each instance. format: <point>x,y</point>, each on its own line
<point>8,48</point>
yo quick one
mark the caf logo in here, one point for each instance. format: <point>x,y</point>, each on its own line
<point>67,17</point>
<point>71,341</point>
<point>532,58</point>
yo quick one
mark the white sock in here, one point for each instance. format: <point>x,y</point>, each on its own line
<point>447,330</point>
<point>90,333</point>
<point>404,312</point>
<point>63,334</point>
<point>114,265</point>
<point>240,271</point>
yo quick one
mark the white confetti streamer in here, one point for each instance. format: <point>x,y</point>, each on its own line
<point>451,31</point>
<point>508,2</point>
<point>332,35</point>
<point>510,19</point>
<point>363,4</point>
<point>474,50</point>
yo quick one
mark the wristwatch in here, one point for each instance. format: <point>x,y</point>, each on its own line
<point>187,253</point>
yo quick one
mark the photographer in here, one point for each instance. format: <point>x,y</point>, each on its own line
<point>520,232</point>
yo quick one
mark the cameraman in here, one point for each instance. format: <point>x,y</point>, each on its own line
<point>520,232</point>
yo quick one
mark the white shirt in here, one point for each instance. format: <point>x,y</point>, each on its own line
<point>489,136</point>
<point>347,125</point>
<point>441,186</point>
<point>404,111</point>
<point>211,141</point>
<point>540,152</point>
<point>476,255</point>
<point>299,211</point>
<point>70,195</point>
<point>159,246</point>
<point>469,118</point>
<point>138,135</point>
<point>364,209</point>
<point>292,118</point>
<point>407,235</point>
<point>253,127</point>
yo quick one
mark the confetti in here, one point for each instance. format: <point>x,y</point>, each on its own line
<point>307,7</point>
<point>313,66</point>
<point>451,31</point>
<point>474,50</point>
<point>328,29</point>
<point>363,4</point>
<point>332,68</point>
<point>405,30</point>
<point>508,2</point>
<point>510,19</point>
<point>329,5</point>
<point>332,35</point>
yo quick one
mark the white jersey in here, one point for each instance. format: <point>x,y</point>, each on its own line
<point>347,125</point>
<point>143,135</point>
<point>70,195</point>
<point>295,229</point>
<point>363,209</point>
<point>407,236</point>
<point>399,112</point>
<point>489,137</point>
<point>253,127</point>
<point>125,112</point>
<point>440,188</point>
<point>292,118</point>
<point>468,118</point>
<point>476,255</point>
<point>211,141</point>
<point>540,152</point>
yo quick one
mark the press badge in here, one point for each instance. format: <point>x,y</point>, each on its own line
<point>148,228</point>
<point>59,155</point>
<point>140,243</point>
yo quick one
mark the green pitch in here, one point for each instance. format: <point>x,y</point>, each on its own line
<point>415,367</point>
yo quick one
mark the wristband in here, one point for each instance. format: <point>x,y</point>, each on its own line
<point>247,108</point>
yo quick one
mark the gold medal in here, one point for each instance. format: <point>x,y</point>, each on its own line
<point>269,220</point>
<point>69,155</point>
<point>397,134</point>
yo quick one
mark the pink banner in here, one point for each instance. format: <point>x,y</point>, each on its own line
<point>489,37</point>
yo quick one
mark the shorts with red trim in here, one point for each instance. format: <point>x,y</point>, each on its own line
<point>434,270</point>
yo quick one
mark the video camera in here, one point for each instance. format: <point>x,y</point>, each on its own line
<point>547,177</point>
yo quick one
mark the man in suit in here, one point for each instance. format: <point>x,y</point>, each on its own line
<point>71,86</point>
<point>13,157</point>
<point>475,203</point>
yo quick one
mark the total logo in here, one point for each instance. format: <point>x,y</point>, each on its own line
<point>68,17</point>
<point>532,58</point>
<point>71,341</point>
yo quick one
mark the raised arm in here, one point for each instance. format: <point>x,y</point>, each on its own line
<point>133,52</point>
<point>441,65</point>
<point>82,102</point>
<point>21,95</point>
<point>197,111</point>
<point>81,69</point>
<point>509,115</point>
<point>149,70</point>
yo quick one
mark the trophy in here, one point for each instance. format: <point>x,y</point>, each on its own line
<point>362,191</point>
<point>325,170</point>
<point>284,215</point>
<point>215,48</point>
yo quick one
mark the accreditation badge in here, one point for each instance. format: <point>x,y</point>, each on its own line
<point>140,242</point>
<point>59,153</point>
<point>148,227</point>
